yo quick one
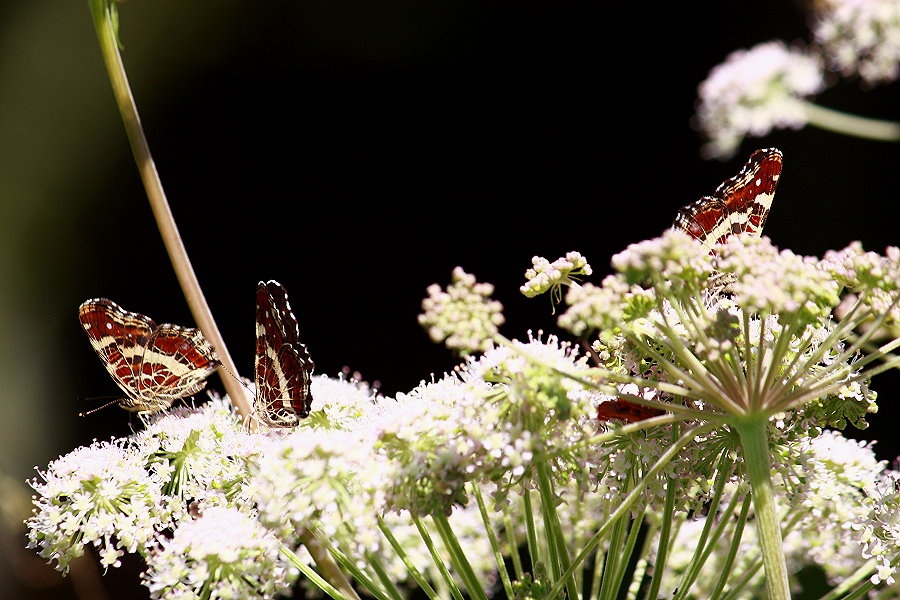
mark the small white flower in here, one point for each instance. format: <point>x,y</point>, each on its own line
<point>755,91</point>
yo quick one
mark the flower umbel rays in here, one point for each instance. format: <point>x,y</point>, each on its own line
<point>767,345</point>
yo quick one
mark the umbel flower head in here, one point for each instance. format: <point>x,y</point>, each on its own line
<point>860,37</point>
<point>100,495</point>
<point>544,276</point>
<point>463,316</point>
<point>223,553</point>
<point>755,91</point>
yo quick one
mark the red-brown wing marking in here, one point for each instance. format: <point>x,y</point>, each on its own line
<point>283,364</point>
<point>739,205</point>
<point>153,365</point>
<point>626,411</point>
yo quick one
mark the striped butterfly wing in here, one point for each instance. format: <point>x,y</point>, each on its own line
<point>283,364</point>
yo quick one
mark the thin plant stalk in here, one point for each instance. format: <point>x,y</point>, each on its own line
<point>848,124</point>
<point>492,538</point>
<point>326,564</point>
<point>733,548</point>
<point>551,524</point>
<point>410,567</point>
<point>629,501</point>
<point>665,533</point>
<point>364,580</point>
<point>311,574</point>
<point>436,558</point>
<point>458,557</point>
<point>105,21</point>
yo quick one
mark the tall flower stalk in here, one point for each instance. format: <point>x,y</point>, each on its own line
<point>106,22</point>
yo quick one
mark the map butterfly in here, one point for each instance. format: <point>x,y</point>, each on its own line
<point>283,364</point>
<point>739,205</point>
<point>153,364</point>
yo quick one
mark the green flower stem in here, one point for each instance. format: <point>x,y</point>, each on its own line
<point>552,526</point>
<point>326,564</point>
<point>665,535</point>
<point>362,579</point>
<point>384,577</point>
<point>609,588</point>
<point>105,17</point>
<point>458,557</point>
<point>311,574</point>
<point>754,439</point>
<point>736,536</point>
<point>534,550</point>
<point>861,574</point>
<point>492,538</point>
<point>410,567</point>
<point>629,501</point>
<point>596,580</point>
<point>512,545</point>
<point>841,122</point>
<point>436,558</point>
<point>628,550</point>
<point>708,538</point>
<point>640,569</point>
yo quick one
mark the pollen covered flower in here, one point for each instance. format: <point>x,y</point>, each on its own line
<point>755,91</point>
<point>463,316</point>
<point>224,553</point>
<point>100,495</point>
<point>860,37</point>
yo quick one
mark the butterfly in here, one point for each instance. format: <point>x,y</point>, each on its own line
<point>739,205</point>
<point>153,364</point>
<point>283,365</point>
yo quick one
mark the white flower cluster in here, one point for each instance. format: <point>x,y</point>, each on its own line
<point>755,91</point>
<point>860,37</point>
<point>100,495</point>
<point>527,446</point>
<point>463,316</point>
<point>544,276</point>
<point>224,552</point>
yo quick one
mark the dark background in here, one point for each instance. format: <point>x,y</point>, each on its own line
<point>357,152</point>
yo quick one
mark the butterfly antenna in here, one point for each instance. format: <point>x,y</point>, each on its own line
<point>240,380</point>
<point>101,407</point>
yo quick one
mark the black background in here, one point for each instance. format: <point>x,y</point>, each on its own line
<point>358,152</point>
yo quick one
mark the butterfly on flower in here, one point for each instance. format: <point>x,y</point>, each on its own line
<point>283,365</point>
<point>739,205</point>
<point>153,364</point>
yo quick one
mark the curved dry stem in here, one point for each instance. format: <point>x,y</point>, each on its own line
<point>105,20</point>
